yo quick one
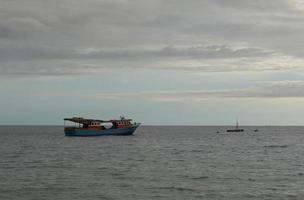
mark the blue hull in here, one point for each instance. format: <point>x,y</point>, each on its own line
<point>72,131</point>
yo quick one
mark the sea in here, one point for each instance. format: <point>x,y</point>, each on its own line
<point>157,162</point>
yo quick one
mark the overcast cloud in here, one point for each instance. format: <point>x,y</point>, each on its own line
<point>281,89</point>
<point>55,37</point>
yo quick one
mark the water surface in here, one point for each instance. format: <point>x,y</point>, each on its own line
<point>177,162</point>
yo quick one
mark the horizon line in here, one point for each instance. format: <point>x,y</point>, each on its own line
<point>2,125</point>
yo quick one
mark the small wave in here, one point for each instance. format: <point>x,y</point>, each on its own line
<point>130,178</point>
<point>176,188</point>
<point>272,189</point>
<point>184,189</point>
<point>200,178</point>
<point>178,152</point>
<point>124,185</point>
<point>103,168</point>
<point>196,150</point>
<point>249,195</point>
<point>276,146</point>
<point>117,174</point>
<point>179,160</point>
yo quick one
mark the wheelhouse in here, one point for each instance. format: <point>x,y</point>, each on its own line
<point>100,124</point>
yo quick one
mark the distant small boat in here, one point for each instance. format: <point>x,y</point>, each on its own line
<point>95,127</point>
<point>256,130</point>
<point>236,129</point>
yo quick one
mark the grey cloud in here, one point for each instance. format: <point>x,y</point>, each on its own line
<point>15,28</point>
<point>283,89</point>
<point>34,52</point>
<point>215,51</point>
<point>31,52</point>
<point>141,32</point>
<point>196,52</point>
<point>52,60</point>
<point>44,68</point>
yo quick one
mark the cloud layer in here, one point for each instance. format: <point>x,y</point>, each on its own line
<point>281,89</point>
<point>68,37</point>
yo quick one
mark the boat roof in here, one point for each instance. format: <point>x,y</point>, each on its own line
<point>82,120</point>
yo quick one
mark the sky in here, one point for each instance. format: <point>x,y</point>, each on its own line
<point>160,62</point>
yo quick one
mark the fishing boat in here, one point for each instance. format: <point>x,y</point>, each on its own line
<point>97,127</point>
<point>236,129</point>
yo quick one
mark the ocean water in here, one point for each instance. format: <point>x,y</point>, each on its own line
<point>158,162</point>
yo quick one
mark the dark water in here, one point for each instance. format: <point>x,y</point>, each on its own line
<point>156,163</point>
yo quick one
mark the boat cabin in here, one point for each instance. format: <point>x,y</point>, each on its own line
<point>99,124</point>
<point>122,123</point>
<point>95,125</point>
